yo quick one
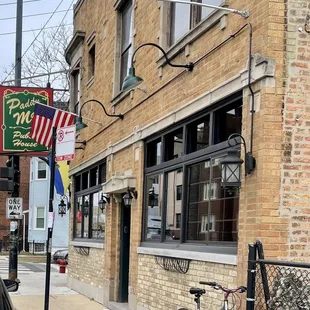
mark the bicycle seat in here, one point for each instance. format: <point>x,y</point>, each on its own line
<point>196,290</point>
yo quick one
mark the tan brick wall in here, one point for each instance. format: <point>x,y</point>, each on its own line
<point>87,269</point>
<point>295,185</point>
<point>161,289</point>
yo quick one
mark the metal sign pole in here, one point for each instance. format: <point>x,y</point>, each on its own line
<point>50,224</point>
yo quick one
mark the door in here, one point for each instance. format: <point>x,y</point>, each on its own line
<point>124,253</point>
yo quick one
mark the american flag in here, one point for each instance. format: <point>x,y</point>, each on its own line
<point>44,119</point>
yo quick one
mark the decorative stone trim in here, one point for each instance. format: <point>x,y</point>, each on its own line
<point>96,245</point>
<point>191,255</point>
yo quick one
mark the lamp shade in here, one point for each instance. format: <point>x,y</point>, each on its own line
<point>231,169</point>
<point>79,124</point>
<point>131,80</point>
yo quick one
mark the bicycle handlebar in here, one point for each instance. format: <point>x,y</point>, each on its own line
<point>208,283</point>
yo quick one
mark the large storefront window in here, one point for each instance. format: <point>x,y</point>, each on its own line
<point>185,202</point>
<point>89,219</point>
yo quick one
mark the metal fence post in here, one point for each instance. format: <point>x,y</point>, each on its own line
<point>251,277</point>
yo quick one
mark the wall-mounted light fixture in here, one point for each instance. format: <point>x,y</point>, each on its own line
<point>62,207</point>
<point>80,125</point>
<point>231,164</point>
<point>127,198</point>
<point>104,200</point>
<point>131,80</point>
<point>243,13</point>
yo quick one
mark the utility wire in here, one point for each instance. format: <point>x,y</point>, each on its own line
<point>30,30</point>
<point>39,14</point>
<point>11,3</point>
<point>35,37</point>
<point>53,38</point>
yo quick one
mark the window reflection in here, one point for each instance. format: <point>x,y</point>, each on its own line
<point>174,180</point>
<point>212,210</point>
<point>154,204</point>
<point>98,223</point>
<point>174,144</point>
<point>78,218</point>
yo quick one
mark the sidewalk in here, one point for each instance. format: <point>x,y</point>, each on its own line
<point>32,288</point>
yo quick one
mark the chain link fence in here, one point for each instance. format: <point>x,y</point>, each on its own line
<point>282,286</point>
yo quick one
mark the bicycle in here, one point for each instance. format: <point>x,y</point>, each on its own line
<point>198,292</point>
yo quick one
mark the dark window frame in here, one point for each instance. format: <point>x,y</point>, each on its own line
<point>188,159</point>
<point>90,191</point>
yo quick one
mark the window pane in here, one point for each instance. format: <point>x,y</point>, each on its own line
<point>124,65</point>
<point>40,212</point>
<point>154,153</point>
<point>98,222</point>
<point>179,192</point>
<point>198,207</point>
<point>206,11</point>
<point>227,121</point>
<point>41,165</point>
<point>78,218</point>
<point>198,134</point>
<point>102,173</point>
<point>93,176</point>
<point>92,61</point>
<point>77,183</point>
<point>154,205</point>
<point>174,179</point>
<point>180,21</point>
<point>86,212</point>
<point>174,144</point>
<point>126,26</point>
<point>85,180</point>
<point>40,223</point>
<point>42,174</point>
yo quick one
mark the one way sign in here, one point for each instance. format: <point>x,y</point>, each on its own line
<point>14,208</point>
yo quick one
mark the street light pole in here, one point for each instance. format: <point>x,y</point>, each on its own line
<point>13,260</point>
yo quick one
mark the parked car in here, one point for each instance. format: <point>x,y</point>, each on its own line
<point>7,285</point>
<point>61,254</point>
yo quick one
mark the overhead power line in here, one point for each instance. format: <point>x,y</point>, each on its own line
<point>12,3</point>
<point>32,15</point>
<point>30,30</point>
<point>35,37</point>
<point>53,38</point>
<point>36,76</point>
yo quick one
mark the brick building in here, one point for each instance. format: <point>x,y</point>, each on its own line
<point>173,135</point>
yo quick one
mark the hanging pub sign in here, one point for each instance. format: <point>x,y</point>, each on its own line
<point>16,113</point>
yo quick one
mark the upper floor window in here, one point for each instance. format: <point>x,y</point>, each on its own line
<point>76,88</point>
<point>92,61</point>
<point>126,40</point>
<point>40,217</point>
<point>42,170</point>
<point>184,17</point>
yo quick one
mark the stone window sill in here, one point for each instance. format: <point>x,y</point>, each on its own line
<point>90,244</point>
<point>192,35</point>
<point>119,97</point>
<point>219,258</point>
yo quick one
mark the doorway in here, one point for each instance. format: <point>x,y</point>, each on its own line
<point>124,253</point>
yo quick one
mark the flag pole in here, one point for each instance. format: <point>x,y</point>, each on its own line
<point>50,223</point>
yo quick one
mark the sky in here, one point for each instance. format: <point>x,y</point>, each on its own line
<point>7,47</point>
